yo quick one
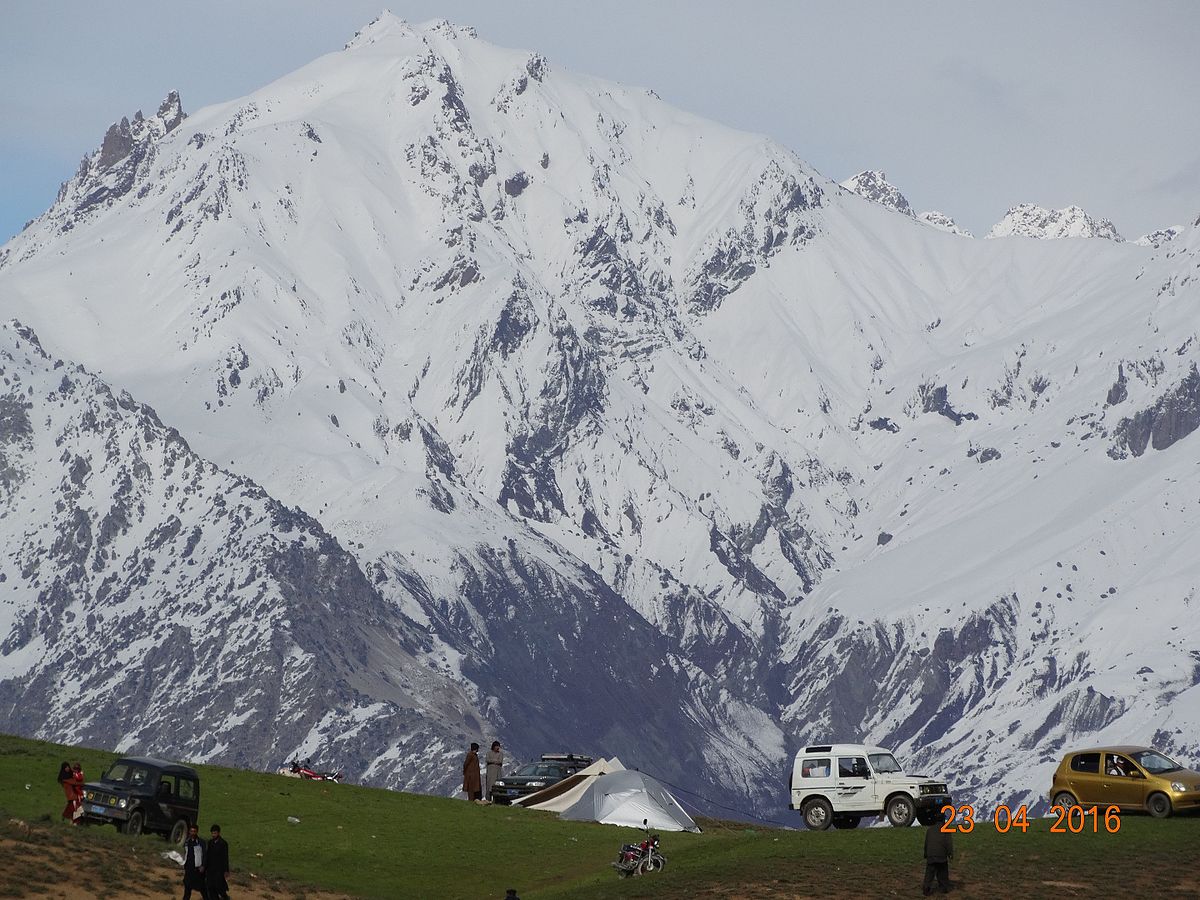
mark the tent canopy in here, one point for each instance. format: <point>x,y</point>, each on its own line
<point>564,794</point>
<point>626,798</point>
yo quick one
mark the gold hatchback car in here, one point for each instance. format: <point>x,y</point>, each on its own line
<point>1133,778</point>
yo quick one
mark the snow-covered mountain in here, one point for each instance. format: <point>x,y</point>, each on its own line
<point>1030,220</point>
<point>873,185</point>
<point>1160,236</point>
<point>943,222</point>
<point>645,438</point>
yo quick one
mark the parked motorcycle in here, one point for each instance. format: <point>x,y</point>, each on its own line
<point>642,858</point>
<point>305,770</point>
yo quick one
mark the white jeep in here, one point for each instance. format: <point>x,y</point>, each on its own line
<point>840,784</point>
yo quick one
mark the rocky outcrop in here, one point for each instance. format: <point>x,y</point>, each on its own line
<point>1174,416</point>
<point>874,186</point>
<point>942,222</point>
<point>1030,220</point>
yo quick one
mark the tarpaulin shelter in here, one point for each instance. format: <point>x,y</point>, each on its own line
<point>564,794</point>
<point>628,797</point>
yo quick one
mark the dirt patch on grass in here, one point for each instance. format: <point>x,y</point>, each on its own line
<point>57,862</point>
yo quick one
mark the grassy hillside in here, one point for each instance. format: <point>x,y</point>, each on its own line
<point>375,843</point>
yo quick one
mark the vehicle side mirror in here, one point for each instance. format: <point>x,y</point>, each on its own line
<point>1136,774</point>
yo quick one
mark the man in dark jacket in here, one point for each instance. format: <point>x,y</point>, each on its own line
<point>472,783</point>
<point>193,865</point>
<point>939,849</point>
<point>216,867</point>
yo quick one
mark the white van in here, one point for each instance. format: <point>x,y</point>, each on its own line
<point>840,784</point>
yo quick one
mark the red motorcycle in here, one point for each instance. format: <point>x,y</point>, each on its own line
<point>642,858</point>
<point>305,770</point>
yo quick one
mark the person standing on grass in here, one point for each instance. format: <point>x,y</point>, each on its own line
<point>77,782</point>
<point>939,849</point>
<point>66,782</point>
<point>494,759</point>
<point>193,864</point>
<point>216,867</point>
<point>471,783</point>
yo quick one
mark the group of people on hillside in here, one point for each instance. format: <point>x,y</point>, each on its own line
<point>477,789</point>
<point>205,865</point>
<point>70,779</point>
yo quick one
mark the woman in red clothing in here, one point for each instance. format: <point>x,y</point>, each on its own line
<point>66,780</point>
<point>77,792</point>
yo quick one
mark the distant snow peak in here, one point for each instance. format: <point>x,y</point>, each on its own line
<point>386,23</point>
<point>942,222</point>
<point>1031,220</point>
<point>1162,236</point>
<point>873,185</point>
<point>389,25</point>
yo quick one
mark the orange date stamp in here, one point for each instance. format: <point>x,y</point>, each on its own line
<point>1067,819</point>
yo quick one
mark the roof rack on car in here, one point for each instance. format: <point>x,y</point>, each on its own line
<point>546,757</point>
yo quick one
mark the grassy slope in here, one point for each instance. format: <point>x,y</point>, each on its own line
<point>384,844</point>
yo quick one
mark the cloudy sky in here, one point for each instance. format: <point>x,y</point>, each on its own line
<point>970,108</point>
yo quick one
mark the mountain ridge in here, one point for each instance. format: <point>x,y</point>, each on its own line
<point>556,363</point>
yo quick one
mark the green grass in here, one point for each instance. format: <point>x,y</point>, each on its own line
<point>375,843</point>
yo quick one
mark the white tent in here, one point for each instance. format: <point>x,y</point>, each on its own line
<point>566,793</point>
<point>628,797</point>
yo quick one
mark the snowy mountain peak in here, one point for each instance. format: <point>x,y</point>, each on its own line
<point>1159,237</point>
<point>388,25</point>
<point>873,185</point>
<point>942,222</point>
<point>1031,220</point>
<point>110,171</point>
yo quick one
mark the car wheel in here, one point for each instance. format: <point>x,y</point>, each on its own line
<point>178,832</point>
<point>1159,805</point>
<point>818,814</point>
<point>1065,800</point>
<point>135,823</point>
<point>845,821</point>
<point>900,811</point>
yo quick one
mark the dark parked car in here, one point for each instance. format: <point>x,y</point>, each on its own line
<point>138,794</point>
<point>532,777</point>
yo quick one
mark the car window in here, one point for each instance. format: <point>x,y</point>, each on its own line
<point>1118,766</point>
<point>815,768</point>
<point>117,772</point>
<point>526,771</point>
<point>1155,763</point>
<point>187,789</point>
<point>883,763</point>
<point>851,767</point>
<point>166,785</point>
<point>1086,762</point>
<point>139,777</point>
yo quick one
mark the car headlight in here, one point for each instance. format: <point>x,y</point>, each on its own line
<point>535,784</point>
<point>122,803</point>
<point>88,795</point>
<point>1178,786</point>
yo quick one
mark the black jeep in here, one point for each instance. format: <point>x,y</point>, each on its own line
<point>531,778</point>
<point>138,794</point>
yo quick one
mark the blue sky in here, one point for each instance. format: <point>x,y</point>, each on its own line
<point>969,107</point>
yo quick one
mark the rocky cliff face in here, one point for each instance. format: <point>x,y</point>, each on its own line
<point>874,186</point>
<point>644,438</point>
<point>943,222</point>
